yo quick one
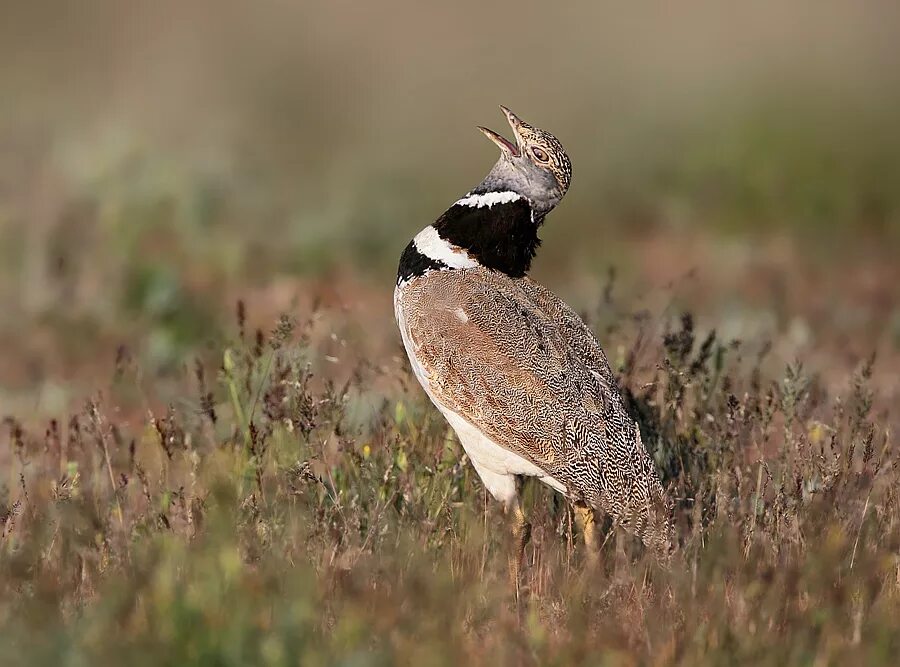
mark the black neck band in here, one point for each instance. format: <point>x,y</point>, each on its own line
<point>501,237</point>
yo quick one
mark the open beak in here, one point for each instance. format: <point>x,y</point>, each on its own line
<point>505,146</point>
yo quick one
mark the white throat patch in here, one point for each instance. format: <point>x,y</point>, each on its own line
<point>488,199</point>
<point>429,243</point>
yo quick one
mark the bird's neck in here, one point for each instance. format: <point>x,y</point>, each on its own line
<point>486,228</point>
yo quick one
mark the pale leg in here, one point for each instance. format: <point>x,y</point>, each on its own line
<point>521,533</point>
<point>587,522</point>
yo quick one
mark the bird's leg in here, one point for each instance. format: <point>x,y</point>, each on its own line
<point>587,522</point>
<point>521,531</point>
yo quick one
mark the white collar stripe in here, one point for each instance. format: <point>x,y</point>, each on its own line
<point>429,243</point>
<point>488,199</point>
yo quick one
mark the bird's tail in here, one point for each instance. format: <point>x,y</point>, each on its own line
<point>642,506</point>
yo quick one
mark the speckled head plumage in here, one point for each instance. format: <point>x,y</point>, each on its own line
<point>535,166</point>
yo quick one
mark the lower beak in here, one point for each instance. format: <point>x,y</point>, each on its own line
<point>505,146</point>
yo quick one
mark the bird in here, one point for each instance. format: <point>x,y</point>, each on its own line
<point>514,370</point>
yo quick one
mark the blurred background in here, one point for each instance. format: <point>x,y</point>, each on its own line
<point>160,161</point>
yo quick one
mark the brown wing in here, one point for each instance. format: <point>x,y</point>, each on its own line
<point>516,364</point>
<point>476,345</point>
<point>578,336</point>
<point>496,357</point>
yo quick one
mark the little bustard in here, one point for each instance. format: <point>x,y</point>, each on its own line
<point>514,370</point>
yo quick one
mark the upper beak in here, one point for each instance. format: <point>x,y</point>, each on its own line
<point>505,146</point>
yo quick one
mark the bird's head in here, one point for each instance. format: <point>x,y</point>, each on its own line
<point>535,166</point>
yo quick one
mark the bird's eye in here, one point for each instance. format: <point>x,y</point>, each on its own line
<point>540,154</point>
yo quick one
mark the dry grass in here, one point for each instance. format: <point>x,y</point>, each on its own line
<point>292,507</point>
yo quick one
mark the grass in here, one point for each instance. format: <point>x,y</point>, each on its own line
<point>288,509</point>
